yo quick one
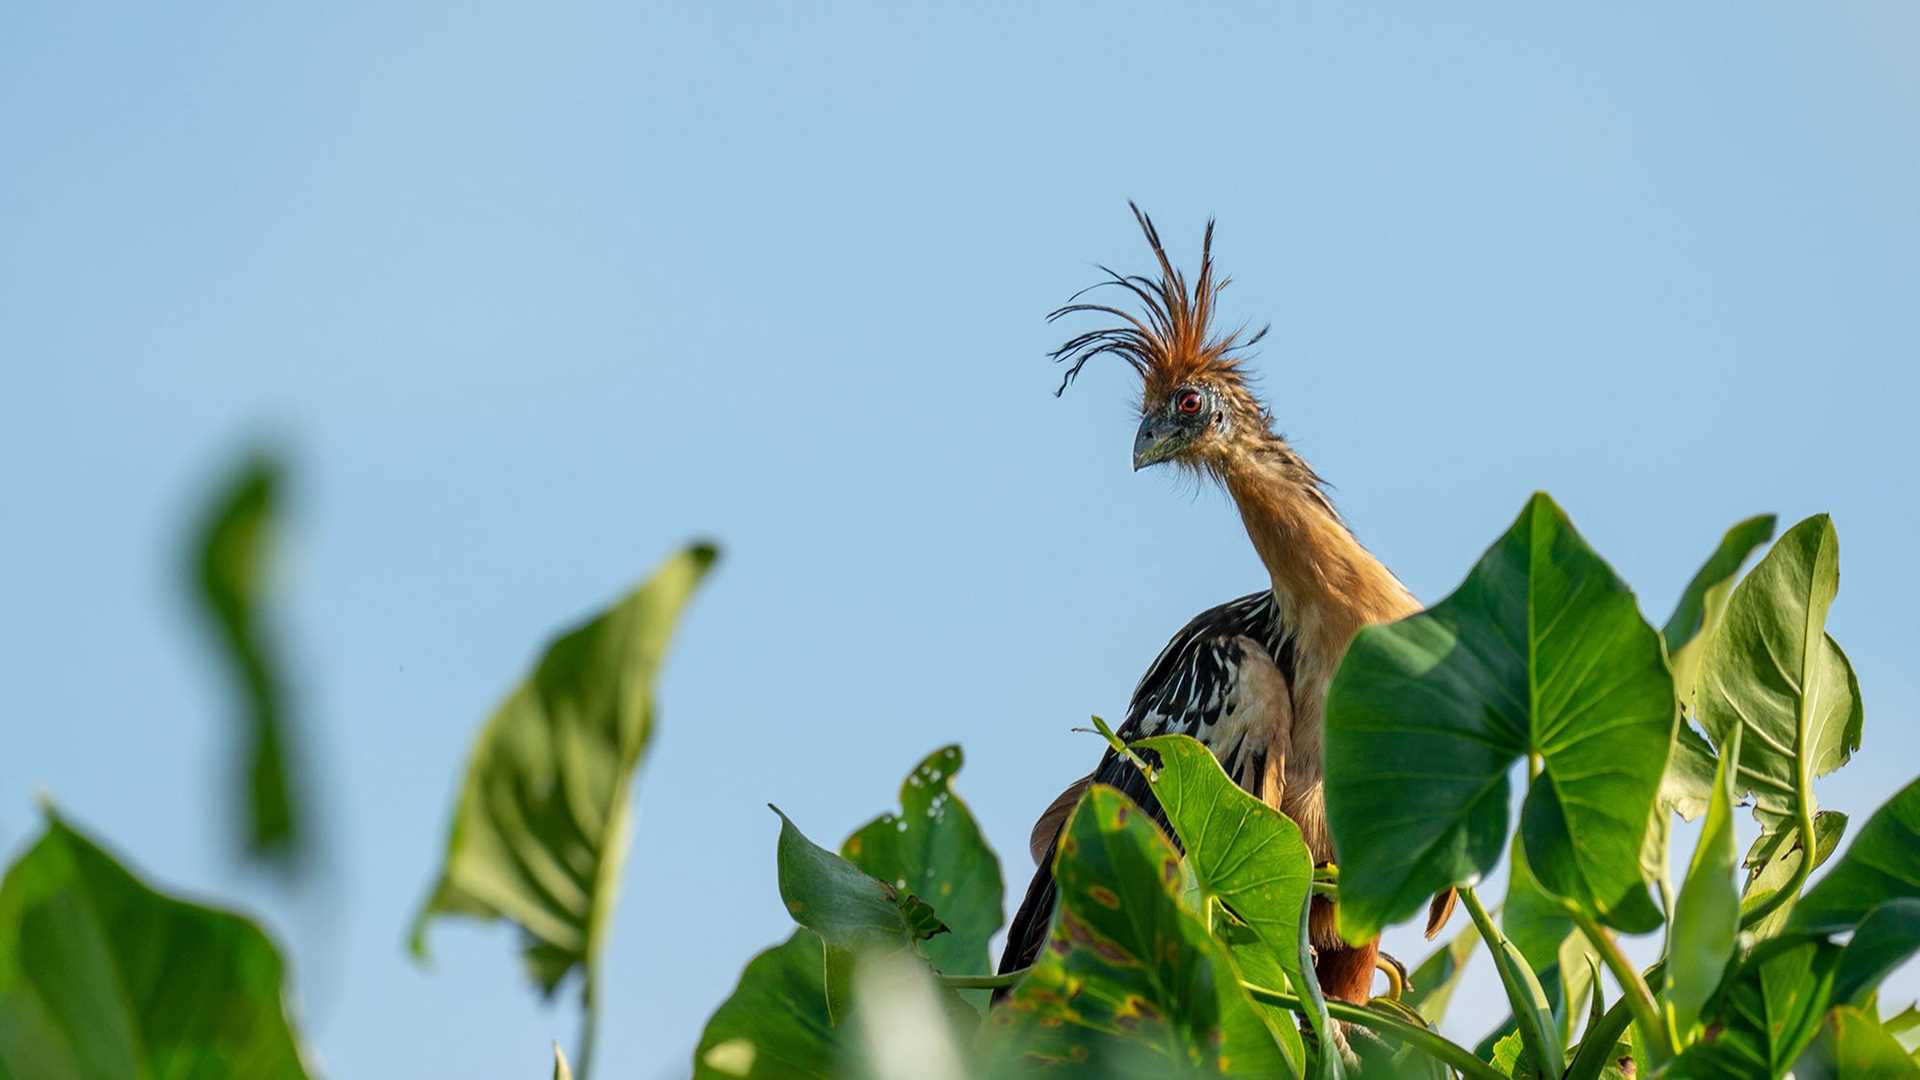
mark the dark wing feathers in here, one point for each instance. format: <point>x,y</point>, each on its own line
<point>1184,692</point>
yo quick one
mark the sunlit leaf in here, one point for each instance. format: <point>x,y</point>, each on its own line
<point>561,1070</point>
<point>1245,854</point>
<point>933,849</point>
<point>1882,863</point>
<point>1540,651</point>
<point>1771,669</point>
<point>539,831</point>
<point>1703,602</point>
<point>1128,962</point>
<point>103,977</point>
<point>231,575</point>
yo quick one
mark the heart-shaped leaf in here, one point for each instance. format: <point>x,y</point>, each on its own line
<point>1244,854</point>
<point>1540,651</point>
<point>933,848</point>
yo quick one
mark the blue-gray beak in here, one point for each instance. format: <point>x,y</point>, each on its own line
<point>1158,439</point>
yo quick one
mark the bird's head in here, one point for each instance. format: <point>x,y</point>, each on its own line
<point>1196,407</point>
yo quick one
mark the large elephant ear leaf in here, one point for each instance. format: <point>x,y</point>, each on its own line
<point>101,976</point>
<point>1541,651</point>
<point>1129,965</point>
<point>1772,669</point>
<point>539,831</point>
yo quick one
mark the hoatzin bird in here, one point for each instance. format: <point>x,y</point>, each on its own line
<point>1248,678</point>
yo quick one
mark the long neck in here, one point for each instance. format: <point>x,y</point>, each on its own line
<point>1329,586</point>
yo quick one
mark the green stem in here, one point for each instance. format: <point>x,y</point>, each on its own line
<point>589,1024</point>
<point>1524,993</point>
<point>984,982</point>
<point>1655,1036</point>
<point>1418,1037</point>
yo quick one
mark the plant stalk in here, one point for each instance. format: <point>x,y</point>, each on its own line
<point>1654,1033</point>
<point>1418,1037</point>
<point>1524,993</point>
<point>983,982</point>
<point>589,1023</point>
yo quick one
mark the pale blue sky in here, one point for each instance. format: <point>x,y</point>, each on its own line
<point>533,294</point>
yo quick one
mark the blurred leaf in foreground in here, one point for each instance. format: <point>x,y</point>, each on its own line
<point>101,976</point>
<point>540,828</point>
<point>230,576</point>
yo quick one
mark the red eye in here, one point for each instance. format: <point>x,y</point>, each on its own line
<point>1189,402</point>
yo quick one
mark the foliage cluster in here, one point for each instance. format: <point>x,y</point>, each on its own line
<point>1164,956</point>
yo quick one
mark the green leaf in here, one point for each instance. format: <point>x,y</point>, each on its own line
<point>775,1025</point>
<point>1772,670</point>
<point>1768,1013</point>
<point>1887,938</point>
<point>1703,602</point>
<point>561,1070</point>
<point>230,572</point>
<point>1706,917</point>
<point>1854,1045</point>
<point>933,848</point>
<point>1772,861</point>
<point>1432,983</point>
<point>848,909</point>
<point>1540,651</point>
<point>1245,854</point>
<point>103,977</point>
<point>1511,1059</point>
<point>1882,863</point>
<point>1127,962</point>
<point>539,831</point>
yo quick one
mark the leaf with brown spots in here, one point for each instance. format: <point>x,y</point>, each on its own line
<point>1134,968</point>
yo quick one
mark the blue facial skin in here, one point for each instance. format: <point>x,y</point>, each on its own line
<point>1167,431</point>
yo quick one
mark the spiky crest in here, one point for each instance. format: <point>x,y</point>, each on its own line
<point>1171,341</point>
